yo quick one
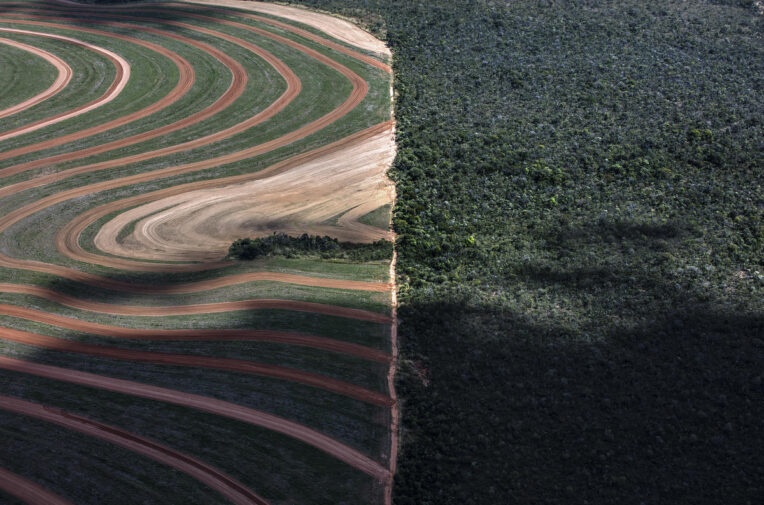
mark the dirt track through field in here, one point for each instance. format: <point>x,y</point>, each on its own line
<point>63,76</point>
<point>324,190</point>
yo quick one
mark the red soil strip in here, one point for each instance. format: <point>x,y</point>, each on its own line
<point>26,490</point>
<point>121,77</point>
<point>195,335</point>
<point>207,404</point>
<point>215,479</point>
<point>230,365</point>
<point>62,79</point>
<point>186,80</point>
<point>178,310</point>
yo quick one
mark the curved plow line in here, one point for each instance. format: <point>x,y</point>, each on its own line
<point>26,490</point>
<point>237,87</point>
<point>185,82</point>
<point>215,479</point>
<point>226,364</point>
<point>222,408</point>
<point>179,310</point>
<point>61,81</point>
<point>194,335</point>
<point>120,81</point>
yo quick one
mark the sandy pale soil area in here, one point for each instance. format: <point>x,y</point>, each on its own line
<point>325,196</point>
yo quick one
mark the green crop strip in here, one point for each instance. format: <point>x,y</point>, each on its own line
<point>22,75</point>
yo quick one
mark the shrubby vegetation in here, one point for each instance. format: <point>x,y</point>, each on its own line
<point>581,223</point>
<point>281,244</point>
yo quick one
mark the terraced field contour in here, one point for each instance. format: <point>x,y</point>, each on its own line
<point>138,364</point>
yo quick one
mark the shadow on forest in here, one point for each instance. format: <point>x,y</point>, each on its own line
<point>660,402</point>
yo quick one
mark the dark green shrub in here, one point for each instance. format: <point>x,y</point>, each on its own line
<point>281,244</point>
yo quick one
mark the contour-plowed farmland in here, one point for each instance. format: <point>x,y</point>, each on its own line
<point>137,363</point>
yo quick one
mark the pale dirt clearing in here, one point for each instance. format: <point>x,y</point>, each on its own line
<point>325,196</point>
<point>64,75</point>
<point>338,28</point>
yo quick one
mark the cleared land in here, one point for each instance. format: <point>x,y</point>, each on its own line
<point>160,134</point>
